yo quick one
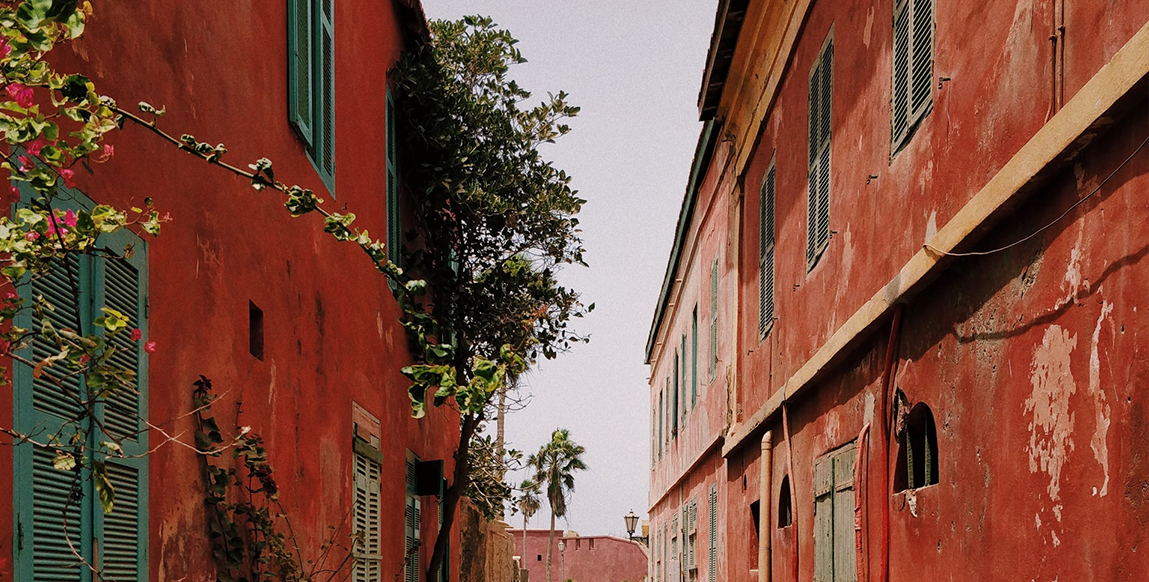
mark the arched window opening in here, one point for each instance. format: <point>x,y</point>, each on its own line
<point>785,512</point>
<point>917,451</point>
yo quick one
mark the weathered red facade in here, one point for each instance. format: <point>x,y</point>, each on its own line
<point>1029,358</point>
<point>582,559</point>
<point>332,337</point>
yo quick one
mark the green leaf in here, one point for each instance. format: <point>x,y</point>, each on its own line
<point>64,462</point>
<point>104,489</point>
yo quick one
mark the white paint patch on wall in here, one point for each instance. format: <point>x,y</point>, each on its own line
<point>1051,424</point>
<point>1099,442</point>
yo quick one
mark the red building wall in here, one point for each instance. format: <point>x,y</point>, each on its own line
<point>584,558</point>
<point>1029,359</point>
<point>332,336</point>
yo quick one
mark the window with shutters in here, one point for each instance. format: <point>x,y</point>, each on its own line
<point>661,419</point>
<point>675,562</point>
<point>834,555</point>
<point>913,69</point>
<point>917,451</point>
<point>685,403</point>
<point>677,399</point>
<point>57,510</point>
<point>367,514</point>
<point>712,549</point>
<point>820,114</point>
<point>394,220</point>
<point>766,255</point>
<point>412,521</point>
<point>714,318</point>
<point>658,556</point>
<point>694,358</point>
<point>311,81</point>
<point>691,552</point>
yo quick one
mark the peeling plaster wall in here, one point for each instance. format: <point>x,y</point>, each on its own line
<point>331,325</point>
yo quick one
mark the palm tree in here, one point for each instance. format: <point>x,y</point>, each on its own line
<point>528,504</point>
<point>555,465</point>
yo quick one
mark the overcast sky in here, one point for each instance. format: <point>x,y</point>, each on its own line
<point>634,66</point>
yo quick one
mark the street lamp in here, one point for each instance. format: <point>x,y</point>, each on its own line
<point>563,559</point>
<point>631,525</point>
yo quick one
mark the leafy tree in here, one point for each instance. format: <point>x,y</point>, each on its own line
<point>494,224</point>
<point>555,465</point>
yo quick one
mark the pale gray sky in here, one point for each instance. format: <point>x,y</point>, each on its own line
<point>634,66</point>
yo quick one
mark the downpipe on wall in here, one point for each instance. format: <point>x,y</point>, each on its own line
<point>861,557</point>
<point>793,492</point>
<point>766,472</point>
<point>887,381</point>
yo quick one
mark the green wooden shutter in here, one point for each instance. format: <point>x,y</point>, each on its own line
<point>122,284</point>
<point>824,519</point>
<point>899,103</point>
<point>766,255</point>
<point>412,527</point>
<point>661,418</point>
<point>713,549</point>
<point>685,408</point>
<point>394,225</point>
<point>366,514</point>
<point>51,506</point>
<point>921,93</point>
<point>714,319</point>
<point>325,150</point>
<point>845,556</point>
<point>694,358</point>
<point>818,192</point>
<point>299,78</point>
<point>677,392</point>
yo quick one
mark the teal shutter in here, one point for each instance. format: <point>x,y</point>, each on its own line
<point>325,150</point>
<point>835,558</point>
<point>713,549</point>
<point>684,406</point>
<point>922,59</point>
<point>766,255</point>
<point>299,77</point>
<point>899,103</point>
<point>412,520</point>
<point>661,417</point>
<point>818,194</point>
<point>694,358</point>
<point>53,508</point>
<point>677,390</point>
<point>121,284</point>
<point>714,319</point>
<point>394,226</point>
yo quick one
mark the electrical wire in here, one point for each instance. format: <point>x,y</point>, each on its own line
<point>1046,227</point>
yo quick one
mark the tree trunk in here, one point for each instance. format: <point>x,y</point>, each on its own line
<point>524,564</point>
<point>550,545</point>
<point>499,420</point>
<point>451,496</point>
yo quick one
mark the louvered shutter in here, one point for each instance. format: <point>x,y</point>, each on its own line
<point>824,520</point>
<point>712,558</point>
<point>412,522</point>
<point>121,284</point>
<point>694,358</point>
<point>685,408</point>
<point>367,517</point>
<point>394,226</point>
<point>900,102</point>
<point>923,59</point>
<point>51,506</point>
<point>326,98</point>
<point>299,54</point>
<point>766,255</point>
<point>845,556</point>
<point>713,319</point>
<point>677,398</point>
<point>818,194</point>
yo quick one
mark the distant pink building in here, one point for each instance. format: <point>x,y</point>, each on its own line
<point>583,559</point>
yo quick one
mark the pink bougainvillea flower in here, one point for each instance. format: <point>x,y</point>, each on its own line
<point>167,217</point>
<point>70,218</point>
<point>33,147</point>
<point>52,230</point>
<point>150,347</point>
<point>32,236</point>
<point>25,163</point>
<point>84,359</point>
<point>21,94</point>
<point>14,194</point>
<point>109,151</point>
<point>10,295</point>
<point>69,177</point>
<point>5,48</point>
<point>137,334</point>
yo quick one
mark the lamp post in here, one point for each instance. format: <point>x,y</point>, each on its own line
<point>631,524</point>
<point>563,559</point>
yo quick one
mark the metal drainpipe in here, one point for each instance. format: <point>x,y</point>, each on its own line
<point>887,381</point>
<point>766,470</point>
<point>861,558</point>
